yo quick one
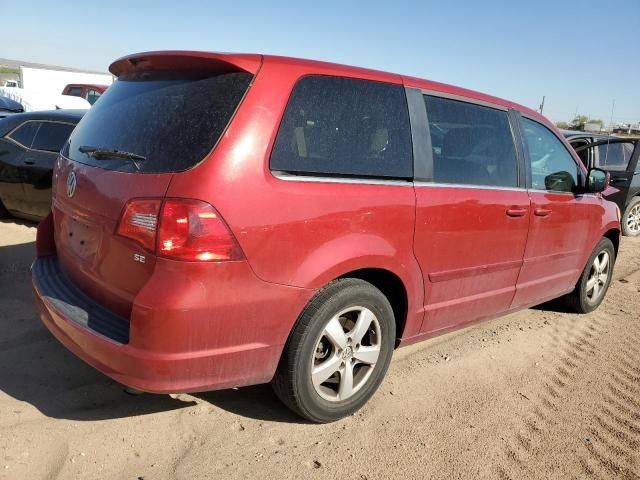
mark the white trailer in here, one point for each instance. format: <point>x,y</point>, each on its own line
<point>45,80</point>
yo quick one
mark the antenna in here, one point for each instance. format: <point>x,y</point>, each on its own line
<point>542,104</point>
<point>606,154</point>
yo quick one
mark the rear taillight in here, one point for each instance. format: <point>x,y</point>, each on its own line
<point>193,230</point>
<point>180,229</point>
<point>140,221</point>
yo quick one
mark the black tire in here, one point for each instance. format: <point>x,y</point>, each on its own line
<point>293,380</point>
<point>4,213</point>
<point>627,229</point>
<point>579,300</point>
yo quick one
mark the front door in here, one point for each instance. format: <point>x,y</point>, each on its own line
<point>617,157</point>
<point>472,219</point>
<point>560,218</point>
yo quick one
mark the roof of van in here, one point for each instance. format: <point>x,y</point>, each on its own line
<point>252,62</point>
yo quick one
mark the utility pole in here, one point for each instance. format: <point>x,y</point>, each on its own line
<point>542,104</point>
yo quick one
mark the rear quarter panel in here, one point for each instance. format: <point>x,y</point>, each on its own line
<point>301,233</point>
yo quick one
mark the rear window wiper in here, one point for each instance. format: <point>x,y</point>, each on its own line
<point>102,153</point>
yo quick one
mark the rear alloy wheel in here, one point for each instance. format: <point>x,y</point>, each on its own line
<point>595,279</point>
<point>346,354</point>
<point>631,219</point>
<point>338,352</point>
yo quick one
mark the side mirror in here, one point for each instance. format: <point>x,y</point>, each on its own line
<point>560,182</point>
<point>598,180</point>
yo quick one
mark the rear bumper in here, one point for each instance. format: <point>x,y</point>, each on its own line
<point>183,335</point>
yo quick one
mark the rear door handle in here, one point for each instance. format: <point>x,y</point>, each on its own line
<point>542,212</point>
<point>516,211</point>
<point>29,162</point>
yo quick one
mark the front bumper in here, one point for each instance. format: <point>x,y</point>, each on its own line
<point>215,328</point>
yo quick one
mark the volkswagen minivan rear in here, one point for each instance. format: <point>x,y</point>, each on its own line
<point>122,266</point>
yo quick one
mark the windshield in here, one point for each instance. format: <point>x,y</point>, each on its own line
<point>172,119</point>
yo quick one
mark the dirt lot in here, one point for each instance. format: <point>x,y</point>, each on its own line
<point>537,394</point>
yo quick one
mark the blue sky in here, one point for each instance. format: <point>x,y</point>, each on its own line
<point>581,55</point>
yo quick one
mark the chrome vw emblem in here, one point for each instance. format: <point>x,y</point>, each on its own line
<point>71,184</point>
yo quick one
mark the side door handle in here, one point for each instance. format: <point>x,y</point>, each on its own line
<point>29,161</point>
<point>542,212</point>
<point>516,211</point>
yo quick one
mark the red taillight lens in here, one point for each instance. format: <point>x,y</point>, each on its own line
<point>193,230</point>
<point>185,230</point>
<point>139,221</point>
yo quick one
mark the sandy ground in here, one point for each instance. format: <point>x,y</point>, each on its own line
<point>537,394</point>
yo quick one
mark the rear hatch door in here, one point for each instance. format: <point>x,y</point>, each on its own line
<point>164,114</point>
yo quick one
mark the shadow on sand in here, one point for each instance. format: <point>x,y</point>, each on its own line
<point>37,369</point>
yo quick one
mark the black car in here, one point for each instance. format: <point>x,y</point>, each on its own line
<point>9,107</point>
<point>29,145</point>
<point>618,156</point>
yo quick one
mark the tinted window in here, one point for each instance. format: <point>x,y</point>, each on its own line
<point>615,156</point>
<point>342,126</point>
<point>51,136</point>
<point>552,166</point>
<point>75,91</point>
<point>92,96</point>
<point>472,144</point>
<point>171,119</point>
<point>583,154</point>
<point>25,133</point>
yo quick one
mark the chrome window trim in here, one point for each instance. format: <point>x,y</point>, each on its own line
<point>555,192</point>
<point>559,192</point>
<point>8,135</point>
<point>288,177</point>
<point>461,98</point>
<point>467,186</point>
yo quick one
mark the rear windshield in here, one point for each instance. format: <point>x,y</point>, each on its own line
<point>173,120</point>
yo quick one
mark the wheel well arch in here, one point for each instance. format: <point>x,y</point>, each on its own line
<point>392,287</point>
<point>614,236</point>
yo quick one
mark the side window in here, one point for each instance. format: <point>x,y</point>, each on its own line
<point>51,136</point>
<point>552,166</point>
<point>75,91</point>
<point>615,156</point>
<point>25,133</point>
<point>583,154</point>
<point>345,127</point>
<point>92,96</point>
<point>472,144</point>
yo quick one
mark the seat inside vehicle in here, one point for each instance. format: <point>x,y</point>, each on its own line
<point>464,154</point>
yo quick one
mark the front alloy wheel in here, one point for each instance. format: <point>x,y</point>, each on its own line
<point>598,277</point>
<point>631,219</point>
<point>595,279</point>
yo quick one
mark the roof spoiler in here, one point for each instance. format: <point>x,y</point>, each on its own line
<point>186,60</point>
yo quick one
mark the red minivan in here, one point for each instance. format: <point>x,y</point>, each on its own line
<point>222,220</point>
